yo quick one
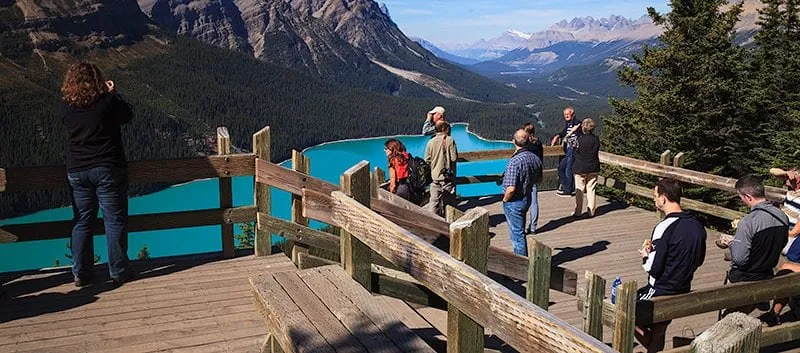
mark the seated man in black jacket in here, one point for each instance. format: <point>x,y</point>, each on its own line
<point>673,253</point>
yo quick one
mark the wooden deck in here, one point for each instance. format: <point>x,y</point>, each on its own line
<point>203,304</point>
<point>183,304</point>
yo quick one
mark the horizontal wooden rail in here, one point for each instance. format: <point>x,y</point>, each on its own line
<point>299,233</point>
<point>521,324</point>
<point>137,223</point>
<point>707,300</point>
<point>432,228</point>
<point>139,172</point>
<point>682,174</point>
<point>491,178</point>
<point>729,296</point>
<point>503,154</point>
<point>714,210</point>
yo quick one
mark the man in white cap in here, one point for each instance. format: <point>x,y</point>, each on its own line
<point>429,127</point>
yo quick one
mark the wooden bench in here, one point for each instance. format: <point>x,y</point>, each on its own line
<point>324,310</point>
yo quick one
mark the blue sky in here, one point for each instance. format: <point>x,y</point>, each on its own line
<point>447,22</point>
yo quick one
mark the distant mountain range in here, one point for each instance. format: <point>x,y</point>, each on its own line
<point>443,54</point>
<point>582,53</point>
<point>351,42</point>
<point>579,29</point>
<point>578,41</point>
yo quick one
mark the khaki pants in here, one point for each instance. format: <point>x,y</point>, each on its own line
<point>442,194</point>
<point>585,184</point>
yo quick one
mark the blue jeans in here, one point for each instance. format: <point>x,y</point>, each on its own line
<point>516,212</point>
<point>565,175</point>
<point>97,188</point>
<point>534,209</point>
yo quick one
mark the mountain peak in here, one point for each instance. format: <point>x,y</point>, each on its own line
<point>517,33</point>
<point>384,9</point>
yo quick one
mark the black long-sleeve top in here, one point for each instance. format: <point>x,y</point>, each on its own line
<point>587,158</point>
<point>94,136</point>
<point>679,248</point>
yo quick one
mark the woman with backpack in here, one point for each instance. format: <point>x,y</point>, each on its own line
<point>398,158</point>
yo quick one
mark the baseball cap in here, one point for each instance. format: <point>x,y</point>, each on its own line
<point>437,109</point>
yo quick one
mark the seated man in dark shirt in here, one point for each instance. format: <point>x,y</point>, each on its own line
<point>673,253</point>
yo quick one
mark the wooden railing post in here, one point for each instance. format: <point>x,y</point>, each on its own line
<point>625,317</point>
<point>678,160</point>
<point>355,256</point>
<point>539,262</point>
<point>225,192</point>
<point>665,160</point>
<point>451,214</point>
<point>736,333</point>
<point>593,305</point>
<point>378,177</point>
<point>301,164</point>
<point>261,148</point>
<point>469,242</point>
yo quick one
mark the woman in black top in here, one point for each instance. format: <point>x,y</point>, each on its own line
<point>586,167</point>
<point>92,113</point>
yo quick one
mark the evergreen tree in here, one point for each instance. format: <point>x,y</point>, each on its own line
<point>691,92</point>
<point>246,239</point>
<point>776,68</point>
<point>68,254</point>
<point>144,253</point>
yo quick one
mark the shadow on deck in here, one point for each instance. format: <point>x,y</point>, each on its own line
<point>195,303</point>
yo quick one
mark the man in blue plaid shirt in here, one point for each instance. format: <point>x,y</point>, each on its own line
<point>519,179</point>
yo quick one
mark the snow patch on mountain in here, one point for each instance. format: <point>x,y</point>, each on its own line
<point>430,82</point>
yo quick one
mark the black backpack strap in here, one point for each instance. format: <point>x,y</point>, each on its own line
<point>773,216</point>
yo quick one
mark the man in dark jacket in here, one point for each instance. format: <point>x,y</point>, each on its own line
<point>673,253</point>
<point>568,137</point>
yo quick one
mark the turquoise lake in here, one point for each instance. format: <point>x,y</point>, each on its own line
<point>328,162</point>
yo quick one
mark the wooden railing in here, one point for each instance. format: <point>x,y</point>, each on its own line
<point>374,230</point>
<point>675,171</point>
<point>599,312</point>
<point>223,166</point>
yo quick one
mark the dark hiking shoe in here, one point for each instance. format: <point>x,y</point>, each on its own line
<point>82,281</point>
<point>127,276</point>
<point>563,194</point>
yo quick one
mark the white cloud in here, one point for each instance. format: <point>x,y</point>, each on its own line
<point>417,12</point>
<point>526,20</point>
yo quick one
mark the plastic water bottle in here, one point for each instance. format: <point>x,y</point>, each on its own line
<point>614,285</point>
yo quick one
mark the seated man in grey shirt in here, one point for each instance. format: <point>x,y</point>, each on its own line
<point>760,236</point>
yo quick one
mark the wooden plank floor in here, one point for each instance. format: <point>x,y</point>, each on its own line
<point>193,304</point>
